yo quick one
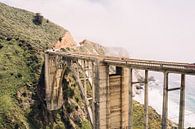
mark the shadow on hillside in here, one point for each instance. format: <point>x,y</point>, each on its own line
<point>40,117</point>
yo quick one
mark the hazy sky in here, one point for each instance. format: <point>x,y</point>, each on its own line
<point>152,29</point>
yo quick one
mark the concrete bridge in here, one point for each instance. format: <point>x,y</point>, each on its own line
<point>110,106</point>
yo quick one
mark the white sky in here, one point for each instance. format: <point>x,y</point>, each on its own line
<point>152,29</point>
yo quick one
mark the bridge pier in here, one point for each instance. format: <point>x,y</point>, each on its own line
<point>125,97</point>
<point>101,99</point>
<point>165,101</point>
<point>53,81</point>
<point>93,75</point>
<point>146,101</point>
<point>112,101</point>
<point>182,102</point>
<point>130,124</point>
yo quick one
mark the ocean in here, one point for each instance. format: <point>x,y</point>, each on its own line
<point>155,97</point>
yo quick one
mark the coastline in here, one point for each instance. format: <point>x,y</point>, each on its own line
<point>155,101</point>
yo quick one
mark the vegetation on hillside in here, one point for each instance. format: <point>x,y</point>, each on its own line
<point>21,46</point>
<point>18,24</point>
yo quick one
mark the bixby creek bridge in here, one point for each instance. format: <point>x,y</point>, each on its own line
<point>110,106</point>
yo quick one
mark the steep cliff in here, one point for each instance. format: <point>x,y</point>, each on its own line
<point>22,44</point>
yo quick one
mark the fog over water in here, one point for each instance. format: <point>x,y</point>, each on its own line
<point>161,30</point>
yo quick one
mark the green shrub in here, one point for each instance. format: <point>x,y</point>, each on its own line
<point>1,46</point>
<point>85,125</point>
<point>38,19</point>
<point>6,104</point>
<point>70,108</point>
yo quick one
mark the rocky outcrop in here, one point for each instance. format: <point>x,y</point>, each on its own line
<point>90,47</point>
<point>65,41</point>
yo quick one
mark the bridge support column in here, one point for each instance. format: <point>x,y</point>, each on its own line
<point>53,81</point>
<point>47,85</point>
<point>130,124</point>
<point>182,102</point>
<point>125,97</point>
<point>85,79</point>
<point>146,101</point>
<point>112,97</point>
<point>93,75</point>
<point>101,96</point>
<point>165,101</point>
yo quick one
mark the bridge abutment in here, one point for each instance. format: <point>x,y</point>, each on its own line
<point>53,80</point>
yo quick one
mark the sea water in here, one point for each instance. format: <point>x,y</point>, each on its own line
<point>156,92</point>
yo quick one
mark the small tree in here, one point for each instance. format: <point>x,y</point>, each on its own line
<point>38,19</point>
<point>60,39</point>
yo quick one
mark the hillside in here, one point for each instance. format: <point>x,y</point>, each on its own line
<point>22,44</point>
<point>22,105</point>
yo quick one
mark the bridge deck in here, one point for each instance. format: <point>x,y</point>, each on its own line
<point>152,65</point>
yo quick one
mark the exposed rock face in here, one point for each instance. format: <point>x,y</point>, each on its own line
<point>66,41</point>
<point>90,47</point>
<point>24,98</point>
